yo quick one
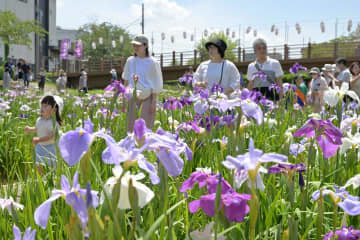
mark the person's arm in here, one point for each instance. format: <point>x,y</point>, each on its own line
<point>250,73</point>
<point>126,72</point>
<point>198,77</point>
<point>354,79</point>
<point>28,129</point>
<point>234,79</point>
<point>37,140</point>
<point>278,74</point>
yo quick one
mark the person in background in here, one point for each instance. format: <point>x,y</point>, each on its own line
<point>344,75</point>
<point>113,75</point>
<point>26,73</point>
<point>144,72</point>
<point>6,79</point>
<point>217,70</point>
<point>318,85</point>
<point>20,72</point>
<point>42,76</point>
<point>8,65</point>
<point>83,81</point>
<point>268,66</point>
<point>326,70</point>
<point>61,81</point>
<point>301,90</point>
<point>355,81</point>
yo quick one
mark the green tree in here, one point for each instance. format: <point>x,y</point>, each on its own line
<point>14,31</point>
<point>91,32</point>
<point>202,51</point>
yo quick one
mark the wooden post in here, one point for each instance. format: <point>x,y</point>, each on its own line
<point>102,65</point>
<point>89,65</point>
<point>173,58</point>
<point>111,63</point>
<point>181,59</point>
<point>286,52</point>
<point>243,53</point>
<point>239,54</point>
<point>195,56</point>
<point>309,51</point>
<point>161,60</point>
<point>336,49</point>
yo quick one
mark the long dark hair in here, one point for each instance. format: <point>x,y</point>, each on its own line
<point>50,100</point>
<point>353,65</point>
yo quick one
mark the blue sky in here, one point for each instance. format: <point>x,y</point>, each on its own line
<point>174,17</point>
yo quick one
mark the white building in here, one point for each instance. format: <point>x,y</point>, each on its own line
<point>45,12</point>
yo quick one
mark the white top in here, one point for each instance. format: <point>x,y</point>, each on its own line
<point>344,76</point>
<point>83,80</point>
<point>210,72</point>
<point>269,65</point>
<point>44,128</point>
<point>148,70</point>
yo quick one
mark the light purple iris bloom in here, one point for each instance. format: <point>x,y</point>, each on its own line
<point>327,135</point>
<point>188,126</point>
<point>274,87</point>
<point>250,161</point>
<point>74,144</point>
<point>343,234</point>
<point>296,67</point>
<point>74,196</point>
<point>217,88</point>
<point>288,169</point>
<point>172,103</point>
<point>28,234</point>
<point>187,78</point>
<point>200,107</point>
<point>252,110</point>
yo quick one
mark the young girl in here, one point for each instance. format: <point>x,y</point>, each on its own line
<point>45,141</point>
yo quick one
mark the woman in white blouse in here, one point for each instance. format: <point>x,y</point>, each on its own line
<point>217,70</point>
<point>144,72</point>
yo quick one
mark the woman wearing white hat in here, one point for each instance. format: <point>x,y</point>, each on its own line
<point>143,72</point>
<point>318,86</point>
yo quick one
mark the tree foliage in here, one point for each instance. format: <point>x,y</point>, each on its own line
<point>15,31</point>
<point>91,32</point>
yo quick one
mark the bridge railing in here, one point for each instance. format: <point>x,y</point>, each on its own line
<point>240,55</point>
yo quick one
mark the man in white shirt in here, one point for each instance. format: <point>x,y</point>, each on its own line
<point>344,74</point>
<point>268,66</point>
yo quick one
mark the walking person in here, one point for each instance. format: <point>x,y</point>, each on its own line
<point>26,73</point>
<point>83,81</point>
<point>143,72</point>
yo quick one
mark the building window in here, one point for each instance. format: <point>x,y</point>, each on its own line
<point>25,1</point>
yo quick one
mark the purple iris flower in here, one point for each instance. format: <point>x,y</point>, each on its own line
<point>252,110</point>
<point>266,102</point>
<point>187,78</point>
<point>289,169</point>
<point>274,87</point>
<point>207,122</point>
<point>217,88</point>
<point>224,104</point>
<point>351,206</point>
<point>185,101</point>
<point>343,234</point>
<point>234,204</point>
<point>74,196</point>
<point>252,95</point>
<point>297,148</point>
<point>250,161</point>
<point>117,85</point>
<point>296,67</point>
<point>228,120</point>
<point>28,234</point>
<point>200,107</point>
<point>188,126</point>
<point>74,144</point>
<point>210,180</point>
<point>327,135</point>
<point>172,103</point>
<point>260,75</point>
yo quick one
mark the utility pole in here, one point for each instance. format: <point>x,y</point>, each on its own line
<point>336,28</point>
<point>143,22</point>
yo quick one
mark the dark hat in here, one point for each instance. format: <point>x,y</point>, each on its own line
<point>219,43</point>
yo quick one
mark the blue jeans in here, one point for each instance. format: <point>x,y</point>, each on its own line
<point>26,79</point>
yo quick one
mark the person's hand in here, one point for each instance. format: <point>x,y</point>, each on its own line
<point>201,84</point>
<point>229,90</point>
<point>35,140</point>
<point>27,129</point>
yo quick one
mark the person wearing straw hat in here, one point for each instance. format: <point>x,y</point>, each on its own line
<point>269,67</point>
<point>143,73</point>
<point>318,86</point>
<point>217,70</point>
